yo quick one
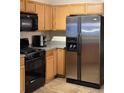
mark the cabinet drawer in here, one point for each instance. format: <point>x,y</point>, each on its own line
<point>22,61</point>
<point>60,50</point>
<point>49,53</point>
<point>49,58</point>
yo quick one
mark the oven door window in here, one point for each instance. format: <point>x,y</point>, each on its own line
<point>34,70</point>
<point>26,24</point>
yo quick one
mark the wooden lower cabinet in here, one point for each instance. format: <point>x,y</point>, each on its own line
<point>22,76</point>
<point>55,63</point>
<point>49,65</point>
<point>61,62</point>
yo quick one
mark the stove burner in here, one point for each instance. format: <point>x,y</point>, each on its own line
<point>28,50</point>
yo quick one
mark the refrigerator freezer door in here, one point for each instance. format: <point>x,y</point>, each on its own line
<point>71,47</point>
<point>71,65</point>
<point>72,27</point>
<point>90,49</point>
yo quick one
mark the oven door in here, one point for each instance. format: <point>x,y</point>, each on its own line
<point>34,74</point>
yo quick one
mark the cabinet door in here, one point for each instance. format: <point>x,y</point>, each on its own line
<point>55,61</point>
<point>22,5</point>
<point>49,65</point>
<point>30,6</point>
<point>53,18</point>
<point>60,17</point>
<point>75,9</point>
<point>22,76</point>
<point>40,12</point>
<point>48,17</point>
<point>93,8</point>
<point>49,68</point>
<point>61,62</point>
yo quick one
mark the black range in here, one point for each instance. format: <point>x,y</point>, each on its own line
<point>34,66</point>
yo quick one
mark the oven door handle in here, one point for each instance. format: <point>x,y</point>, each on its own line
<point>39,58</point>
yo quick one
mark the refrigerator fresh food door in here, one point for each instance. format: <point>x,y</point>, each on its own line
<point>90,49</point>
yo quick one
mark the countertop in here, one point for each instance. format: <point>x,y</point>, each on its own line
<point>49,47</point>
<point>22,55</point>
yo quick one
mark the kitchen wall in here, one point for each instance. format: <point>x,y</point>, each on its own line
<point>56,33</point>
<point>29,35</point>
<point>49,34</point>
<point>57,38</point>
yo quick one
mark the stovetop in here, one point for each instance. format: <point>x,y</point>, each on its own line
<point>29,50</point>
<point>31,53</point>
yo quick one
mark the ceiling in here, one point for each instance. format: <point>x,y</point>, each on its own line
<point>67,1</point>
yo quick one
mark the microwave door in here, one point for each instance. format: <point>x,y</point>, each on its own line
<point>26,24</point>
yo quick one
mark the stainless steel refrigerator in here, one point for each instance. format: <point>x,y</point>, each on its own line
<point>85,50</point>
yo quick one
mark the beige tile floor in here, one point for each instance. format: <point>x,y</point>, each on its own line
<point>59,85</point>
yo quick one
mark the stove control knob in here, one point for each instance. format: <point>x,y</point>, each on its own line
<point>74,46</point>
<point>71,46</point>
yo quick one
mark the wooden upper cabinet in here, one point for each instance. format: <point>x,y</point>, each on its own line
<point>40,12</point>
<point>75,9</point>
<point>22,5</point>
<point>48,17</point>
<point>61,12</point>
<point>95,8</point>
<point>53,18</point>
<point>30,6</point>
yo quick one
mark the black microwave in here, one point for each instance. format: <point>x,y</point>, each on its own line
<point>28,22</point>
